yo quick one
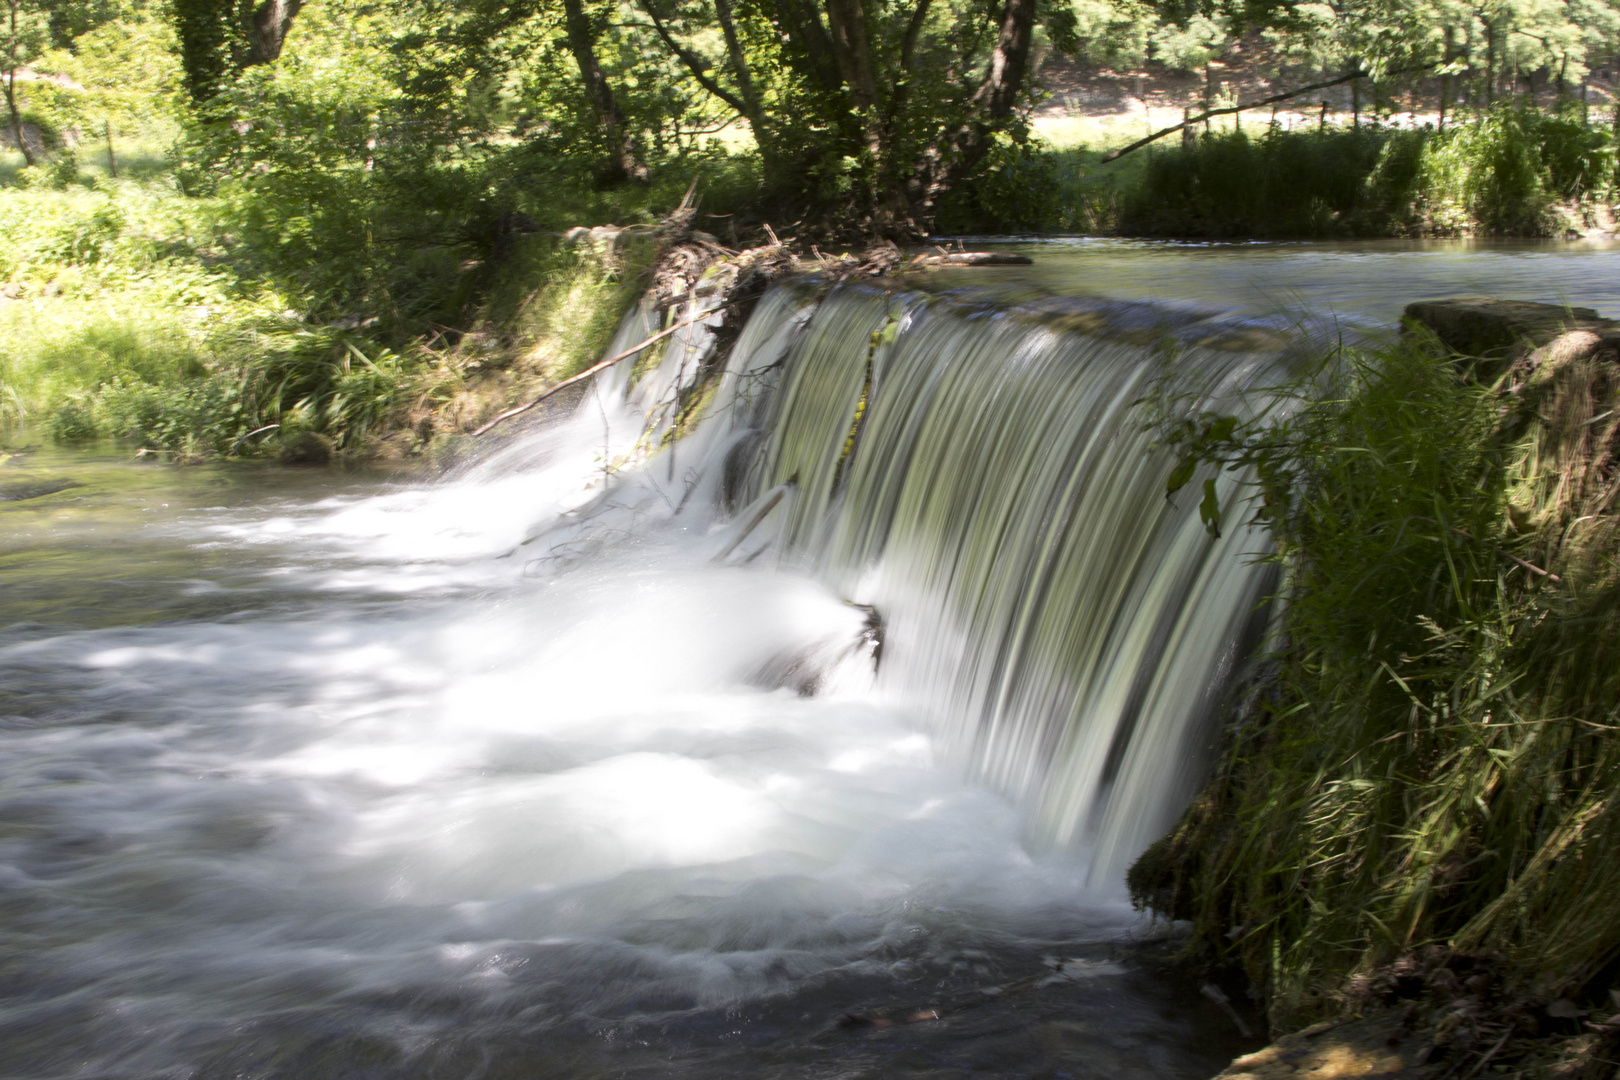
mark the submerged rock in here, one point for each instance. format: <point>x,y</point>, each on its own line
<point>307,448</point>
<point>18,490</point>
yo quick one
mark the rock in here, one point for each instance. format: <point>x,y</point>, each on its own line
<point>1373,1047</point>
<point>18,490</point>
<point>1500,331</point>
<point>307,448</point>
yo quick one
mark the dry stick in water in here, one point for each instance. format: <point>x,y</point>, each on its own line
<point>593,369</point>
<point>753,522</point>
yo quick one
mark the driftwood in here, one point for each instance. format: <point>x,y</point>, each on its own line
<point>969,258</point>
<point>600,366</point>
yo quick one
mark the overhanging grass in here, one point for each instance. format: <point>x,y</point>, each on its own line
<point>1435,753</point>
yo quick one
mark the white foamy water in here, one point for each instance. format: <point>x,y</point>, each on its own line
<point>499,776</point>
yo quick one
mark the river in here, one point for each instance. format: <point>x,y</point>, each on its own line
<point>339,774</point>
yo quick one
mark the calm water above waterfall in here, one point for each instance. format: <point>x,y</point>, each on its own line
<point>532,771</point>
<point>1361,281</point>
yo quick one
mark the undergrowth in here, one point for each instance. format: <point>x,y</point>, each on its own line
<point>130,313</point>
<point>1514,171</point>
<point>1433,756</point>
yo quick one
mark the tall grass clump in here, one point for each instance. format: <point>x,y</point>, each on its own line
<point>1035,189</point>
<point>1433,755</point>
<point>1278,184</point>
<point>1514,171</point>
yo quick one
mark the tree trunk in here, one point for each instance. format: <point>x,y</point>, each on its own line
<point>624,164</point>
<point>993,102</point>
<point>16,114</point>
<point>799,20</point>
<point>1009,62</point>
<point>752,111</point>
<point>265,28</point>
<point>853,52</point>
<point>12,48</point>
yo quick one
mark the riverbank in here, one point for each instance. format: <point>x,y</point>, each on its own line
<point>1414,817</point>
<point>269,312</point>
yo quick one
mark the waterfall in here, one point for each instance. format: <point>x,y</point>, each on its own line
<point>983,476</point>
<point>796,705</point>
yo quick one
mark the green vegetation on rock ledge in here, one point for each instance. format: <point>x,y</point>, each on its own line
<point>1430,756</point>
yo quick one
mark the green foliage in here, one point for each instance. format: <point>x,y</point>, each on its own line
<point>1025,188</point>
<point>1433,756</point>
<point>205,31</point>
<point>127,74</point>
<point>1501,174</point>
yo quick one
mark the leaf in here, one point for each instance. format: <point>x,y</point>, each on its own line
<point>1220,430</point>
<point>1209,511</point>
<point>891,330</point>
<point>1179,476</point>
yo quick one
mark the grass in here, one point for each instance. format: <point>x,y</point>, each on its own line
<point>232,323</point>
<point>1515,171</point>
<point>1433,755</point>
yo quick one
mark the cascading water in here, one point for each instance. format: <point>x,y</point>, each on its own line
<point>576,764</point>
<point>984,478</point>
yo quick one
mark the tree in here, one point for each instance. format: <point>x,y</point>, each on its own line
<point>222,38</point>
<point>624,163</point>
<point>27,31</point>
<point>866,109</point>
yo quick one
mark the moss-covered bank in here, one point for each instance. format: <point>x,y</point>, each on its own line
<point>1422,801</point>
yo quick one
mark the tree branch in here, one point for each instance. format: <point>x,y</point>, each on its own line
<point>1229,109</point>
<point>693,61</point>
<point>908,46</point>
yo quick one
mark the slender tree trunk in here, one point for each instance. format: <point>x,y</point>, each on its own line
<point>846,19</point>
<point>752,109</point>
<point>582,43</point>
<point>1445,79</point>
<point>112,162</point>
<point>16,117</point>
<point>11,84</point>
<point>1009,61</point>
<point>957,153</point>
<point>1490,63</point>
